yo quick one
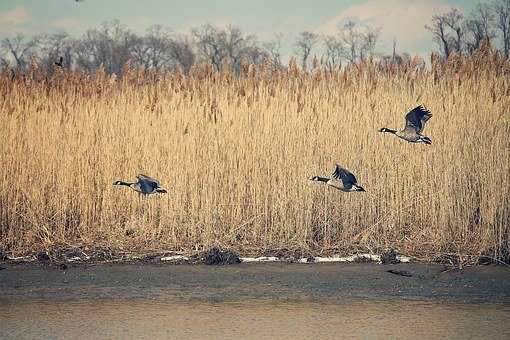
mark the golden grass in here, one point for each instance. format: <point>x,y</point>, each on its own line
<point>235,154</point>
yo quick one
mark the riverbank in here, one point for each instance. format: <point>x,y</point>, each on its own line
<point>267,281</point>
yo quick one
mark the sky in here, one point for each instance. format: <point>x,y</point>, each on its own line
<point>402,20</point>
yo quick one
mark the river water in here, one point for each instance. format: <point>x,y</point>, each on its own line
<point>251,319</point>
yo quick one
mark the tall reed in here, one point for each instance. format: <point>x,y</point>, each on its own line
<point>236,151</point>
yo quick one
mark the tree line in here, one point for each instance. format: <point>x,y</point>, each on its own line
<point>113,44</point>
<point>456,32</point>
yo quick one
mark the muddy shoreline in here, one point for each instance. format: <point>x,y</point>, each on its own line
<point>267,281</point>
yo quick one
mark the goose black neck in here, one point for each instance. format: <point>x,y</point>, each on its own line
<point>388,130</point>
<point>123,183</point>
<point>321,179</point>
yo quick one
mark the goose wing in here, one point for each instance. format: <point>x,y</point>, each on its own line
<point>416,119</point>
<point>142,177</point>
<point>347,178</point>
<point>148,182</point>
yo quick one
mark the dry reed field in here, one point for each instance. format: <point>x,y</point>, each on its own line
<point>235,153</point>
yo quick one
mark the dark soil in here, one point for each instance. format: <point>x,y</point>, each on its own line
<point>389,257</point>
<point>400,272</point>
<point>43,257</point>
<point>3,255</point>
<point>216,256</point>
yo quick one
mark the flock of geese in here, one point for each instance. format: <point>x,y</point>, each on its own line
<point>341,178</point>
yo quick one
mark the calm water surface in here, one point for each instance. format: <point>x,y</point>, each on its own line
<point>173,319</point>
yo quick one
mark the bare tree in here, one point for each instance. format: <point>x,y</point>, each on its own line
<point>273,49</point>
<point>161,48</point>
<point>304,45</point>
<point>358,42</point>
<point>351,38</point>
<point>208,45</point>
<point>181,52</point>
<point>3,63</point>
<point>454,21</point>
<point>334,50</point>
<point>217,45</point>
<point>479,27</point>
<point>150,50</point>
<point>440,33</point>
<point>255,54</point>
<point>399,58</point>
<point>110,46</point>
<point>502,15</point>
<point>369,39</point>
<point>395,58</point>
<point>454,33</point>
<point>394,54</point>
<point>21,48</point>
<point>55,46</point>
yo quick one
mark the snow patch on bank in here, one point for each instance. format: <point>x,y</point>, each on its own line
<point>319,259</point>
<point>175,258</point>
<point>261,259</point>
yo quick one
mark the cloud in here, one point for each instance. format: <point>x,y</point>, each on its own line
<point>403,20</point>
<point>140,23</point>
<point>288,26</point>
<point>15,16</point>
<point>187,26</point>
<point>66,24</point>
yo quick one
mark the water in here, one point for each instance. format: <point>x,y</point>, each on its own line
<point>251,319</point>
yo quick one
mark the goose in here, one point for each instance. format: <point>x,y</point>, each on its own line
<point>342,179</point>
<point>60,62</point>
<point>415,123</point>
<point>145,185</point>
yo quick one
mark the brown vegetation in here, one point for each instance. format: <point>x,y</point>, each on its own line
<point>236,152</point>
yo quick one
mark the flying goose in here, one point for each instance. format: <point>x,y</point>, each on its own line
<point>415,123</point>
<point>145,185</point>
<point>342,179</point>
<point>60,62</point>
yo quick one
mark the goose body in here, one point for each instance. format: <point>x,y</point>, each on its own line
<point>145,185</point>
<point>415,123</point>
<point>341,179</point>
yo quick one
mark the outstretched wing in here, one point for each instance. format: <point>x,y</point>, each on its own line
<point>142,177</point>
<point>347,178</point>
<point>148,182</point>
<point>416,118</point>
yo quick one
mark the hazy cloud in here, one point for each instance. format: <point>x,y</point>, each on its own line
<point>140,23</point>
<point>15,16</point>
<point>66,24</point>
<point>400,19</point>
<point>187,26</point>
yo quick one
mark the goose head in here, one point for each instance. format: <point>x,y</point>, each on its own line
<point>387,130</point>
<point>424,139</point>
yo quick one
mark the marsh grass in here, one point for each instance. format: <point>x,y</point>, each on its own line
<point>236,151</point>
